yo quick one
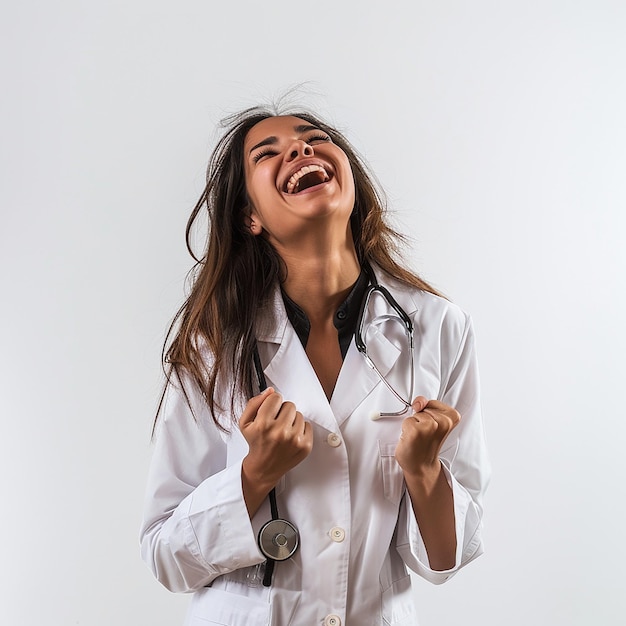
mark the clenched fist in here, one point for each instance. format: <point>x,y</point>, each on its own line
<point>278,438</point>
<point>423,434</point>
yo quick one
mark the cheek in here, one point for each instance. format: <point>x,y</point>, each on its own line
<point>347,176</point>
<point>350,189</point>
<point>260,186</point>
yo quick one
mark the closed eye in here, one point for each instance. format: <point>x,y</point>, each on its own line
<point>315,138</point>
<point>259,155</point>
<point>271,152</point>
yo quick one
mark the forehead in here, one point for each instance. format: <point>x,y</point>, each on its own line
<point>274,126</point>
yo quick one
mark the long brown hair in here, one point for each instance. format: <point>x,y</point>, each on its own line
<point>211,339</point>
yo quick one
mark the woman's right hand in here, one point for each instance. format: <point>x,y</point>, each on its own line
<point>278,439</point>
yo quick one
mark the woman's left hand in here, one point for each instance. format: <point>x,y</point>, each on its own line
<point>423,434</point>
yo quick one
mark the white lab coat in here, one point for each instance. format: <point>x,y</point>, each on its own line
<point>347,498</point>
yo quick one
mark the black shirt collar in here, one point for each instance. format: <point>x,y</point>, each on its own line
<point>345,318</point>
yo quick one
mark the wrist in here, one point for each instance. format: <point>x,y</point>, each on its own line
<point>423,475</point>
<point>254,488</point>
<point>256,478</point>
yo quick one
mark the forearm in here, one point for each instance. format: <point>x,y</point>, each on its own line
<point>433,505</point>
<point>187,543</point>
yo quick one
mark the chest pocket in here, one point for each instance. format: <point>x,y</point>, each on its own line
<point>393,479</point>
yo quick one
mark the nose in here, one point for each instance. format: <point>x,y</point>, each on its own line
<point>299,148</point>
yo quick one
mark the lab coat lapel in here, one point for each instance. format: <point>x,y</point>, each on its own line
<point>289,369</point>
<point>293,375</point>
<point>357,380</point>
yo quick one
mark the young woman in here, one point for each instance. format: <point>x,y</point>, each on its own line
<point>297,240</point>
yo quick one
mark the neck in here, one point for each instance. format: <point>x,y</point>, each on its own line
<point>320,277</point>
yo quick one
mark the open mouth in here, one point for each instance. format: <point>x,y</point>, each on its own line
<point>305,178</point>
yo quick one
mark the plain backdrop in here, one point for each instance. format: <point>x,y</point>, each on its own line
<point>497,129</point>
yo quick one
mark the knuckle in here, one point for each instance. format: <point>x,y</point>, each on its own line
<point>431,418</point>
<point>272,400</point>
<point>305,443</point>
<point>286,434</point>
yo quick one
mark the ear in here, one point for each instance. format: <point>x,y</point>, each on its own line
<point>253,222</point>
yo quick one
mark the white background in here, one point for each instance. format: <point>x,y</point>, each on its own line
<point>498,130</point>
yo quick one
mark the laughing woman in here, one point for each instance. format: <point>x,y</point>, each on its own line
<point>273,495</point>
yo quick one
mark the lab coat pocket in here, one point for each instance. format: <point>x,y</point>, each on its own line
<point>215,607</point>
<point>397,605</point>
<point>393,478</point>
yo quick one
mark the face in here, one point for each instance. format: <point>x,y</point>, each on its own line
<point>295,177</point>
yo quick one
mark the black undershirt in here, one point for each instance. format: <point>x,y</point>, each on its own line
<point>344,320</point>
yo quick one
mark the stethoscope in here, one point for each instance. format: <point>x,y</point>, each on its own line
<point>361,344</point>
<point>279,539</point>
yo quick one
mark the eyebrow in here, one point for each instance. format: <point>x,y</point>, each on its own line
<point>268,141</point>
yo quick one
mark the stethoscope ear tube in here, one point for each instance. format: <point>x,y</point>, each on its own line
<point>359,340</point>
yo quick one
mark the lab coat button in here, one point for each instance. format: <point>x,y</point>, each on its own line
<point>337,534</point>
<point>332,620</point>
<point>333,440</point>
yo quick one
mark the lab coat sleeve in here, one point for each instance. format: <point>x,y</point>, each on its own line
<point>196,525</point>
<point>463,457</point>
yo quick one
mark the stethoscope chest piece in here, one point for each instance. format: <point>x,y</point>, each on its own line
<point>278,540</point>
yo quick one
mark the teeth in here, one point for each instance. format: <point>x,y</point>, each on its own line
<point>307,169</point>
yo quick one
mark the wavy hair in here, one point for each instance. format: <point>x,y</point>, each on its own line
<point>237,271</point>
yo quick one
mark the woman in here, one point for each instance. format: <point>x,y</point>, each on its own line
<point>296,237</point>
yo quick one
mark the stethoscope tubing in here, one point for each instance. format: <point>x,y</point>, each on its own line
<point>278,539</point>
<point>359,340</point>
<point>375,287</point>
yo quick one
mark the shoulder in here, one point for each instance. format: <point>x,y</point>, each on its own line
<point>185,407</point>
<point>441,311</point>
<point>441,325</point>
<point>425,305</point>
